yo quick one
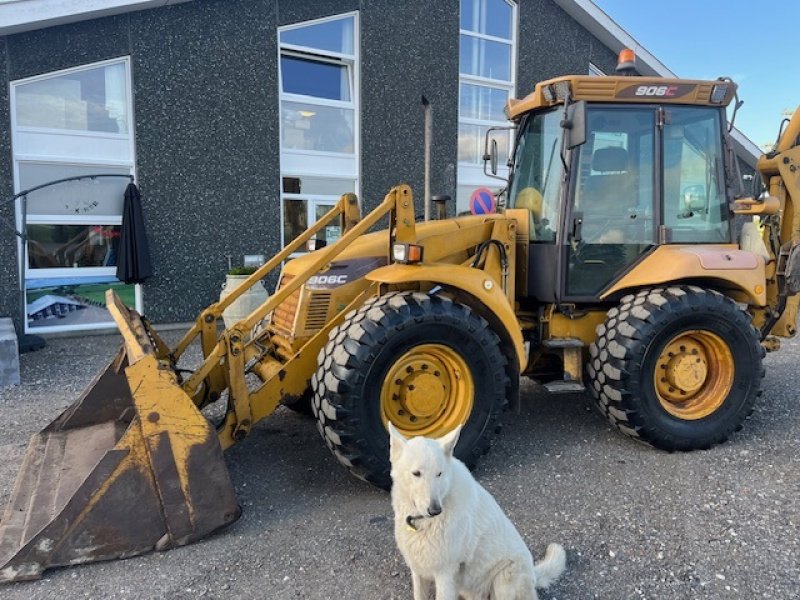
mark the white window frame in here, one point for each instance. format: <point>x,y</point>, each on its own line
<point>59,154</point>
<point>317,163</point>
<point>595,71</point>
<point>469,173</point>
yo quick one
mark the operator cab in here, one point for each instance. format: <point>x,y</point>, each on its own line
<point>647,169</point>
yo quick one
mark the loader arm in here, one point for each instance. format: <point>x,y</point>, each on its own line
<point>780,172</point>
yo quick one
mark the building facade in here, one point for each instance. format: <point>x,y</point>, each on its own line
<point>242,121</point>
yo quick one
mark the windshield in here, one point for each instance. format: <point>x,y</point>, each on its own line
<point>537,173</point>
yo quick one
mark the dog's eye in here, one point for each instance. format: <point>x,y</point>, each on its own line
<point>439,474</point>
<point>416,473</point>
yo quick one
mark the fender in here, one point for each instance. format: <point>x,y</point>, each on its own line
<point>472,281</point>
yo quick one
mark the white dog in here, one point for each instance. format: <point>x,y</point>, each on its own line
<point>452,533</point>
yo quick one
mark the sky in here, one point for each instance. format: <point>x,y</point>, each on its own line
<point>755,43</point>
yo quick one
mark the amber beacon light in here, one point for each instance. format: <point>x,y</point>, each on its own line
<point>626,62</point>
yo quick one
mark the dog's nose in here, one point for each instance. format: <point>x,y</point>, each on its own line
<point>434,509</point>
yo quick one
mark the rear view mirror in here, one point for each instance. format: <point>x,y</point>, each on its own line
<point>575,124</point>
<point>493,157</point>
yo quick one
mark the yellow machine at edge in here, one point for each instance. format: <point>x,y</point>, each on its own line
<point>627,259</point>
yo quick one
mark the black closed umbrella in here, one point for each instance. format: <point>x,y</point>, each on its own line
<point>133,261</point>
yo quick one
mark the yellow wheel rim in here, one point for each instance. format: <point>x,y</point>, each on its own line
<point>694,374</point>
<point>428,391</point>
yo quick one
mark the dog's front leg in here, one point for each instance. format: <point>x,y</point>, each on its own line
<point>446,587</point>
<point>421,586</point>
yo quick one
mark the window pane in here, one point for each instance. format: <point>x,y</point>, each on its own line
<point>101,196</point>
<point>614,196</point>
<point>492,17</point>
<point>332,232</point>
<point>311,127</point>
<point>695,209</point>
<point>315,78</point>
<point>471,141</point>
<point>537,174</point>
<point>72,246</point>
<point>87,100</point>
<point>323,186</point>
<point>483,102</point>
<point>73,301</point>
<point>485,58</point>
<point>334,36</point>
<point>295,218</point>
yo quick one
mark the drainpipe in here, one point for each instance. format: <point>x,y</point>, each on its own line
<point>427,111</point>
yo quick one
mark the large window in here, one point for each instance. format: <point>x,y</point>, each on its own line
<point>614,196</point>
<point>65,124</point>
<point>319,119</point>
<point>695,208</point>
<point>538,172</point>
<point>487,66</point>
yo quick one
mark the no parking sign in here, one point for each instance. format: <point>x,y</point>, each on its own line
<point>482,202</point>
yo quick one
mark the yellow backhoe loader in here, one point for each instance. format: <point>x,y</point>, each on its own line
<point>616,264</point>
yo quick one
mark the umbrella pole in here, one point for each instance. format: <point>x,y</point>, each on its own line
<point>27,342</point>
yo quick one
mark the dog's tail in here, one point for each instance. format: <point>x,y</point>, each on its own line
<point>551,567</point>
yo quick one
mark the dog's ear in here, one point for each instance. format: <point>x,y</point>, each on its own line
<point>396,443</point>
<point>448,442</point>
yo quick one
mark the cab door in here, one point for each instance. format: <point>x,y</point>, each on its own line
<point>610,220</point>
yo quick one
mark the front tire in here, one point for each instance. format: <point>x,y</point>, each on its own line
<point>679,368</point>
<point>423,362</point>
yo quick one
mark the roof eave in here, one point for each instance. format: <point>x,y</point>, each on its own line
<point>17,16</point>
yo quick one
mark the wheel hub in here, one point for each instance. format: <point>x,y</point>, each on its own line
<point>694,374</point>
<point>427,391</point>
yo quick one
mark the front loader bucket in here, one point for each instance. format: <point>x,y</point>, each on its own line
<point>132,466</point>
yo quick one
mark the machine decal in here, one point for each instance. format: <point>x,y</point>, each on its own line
<point>657,91</point>
<point>345,271</point>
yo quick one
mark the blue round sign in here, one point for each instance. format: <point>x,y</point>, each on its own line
<point>482,202</point>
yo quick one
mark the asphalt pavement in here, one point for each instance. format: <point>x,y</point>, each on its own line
<point>637,523</point>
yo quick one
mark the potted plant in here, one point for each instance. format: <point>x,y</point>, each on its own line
<point>247,302</point>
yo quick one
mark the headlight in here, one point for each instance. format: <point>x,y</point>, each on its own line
<point>718,93</point>
<point>407,253</point>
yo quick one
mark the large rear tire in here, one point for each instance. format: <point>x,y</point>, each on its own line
<point>678,368</point>
<point>423,362</point>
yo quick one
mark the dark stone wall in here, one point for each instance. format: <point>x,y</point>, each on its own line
<point>551,43</point>
<point>9,280</point>
<point>205,81</point>
<point>410,49</point>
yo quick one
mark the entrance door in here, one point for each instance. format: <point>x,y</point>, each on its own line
<point>611,219</point>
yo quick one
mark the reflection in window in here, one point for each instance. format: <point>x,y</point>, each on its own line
<point>72,246</point>
<point>695,208</point>
<point>332,231</point>
<point>613,197</point>
<point>334,36</point>
<point>489,17</point>
<point>485,58</point>
<point>315,78</point>
<point>471,142</point>
<point>537,174</point>
<point>86,100</point>
<point>482,102</point>
<point>316,127</point>
<point>295,218</point>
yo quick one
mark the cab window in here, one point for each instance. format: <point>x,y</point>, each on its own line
<point>695,207</point>
<point>611,221</point>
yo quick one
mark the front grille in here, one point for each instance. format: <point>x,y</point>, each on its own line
<point>317,314</point>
